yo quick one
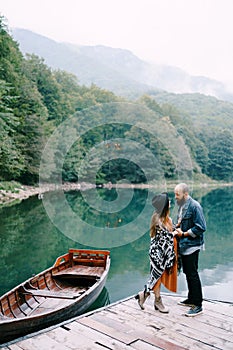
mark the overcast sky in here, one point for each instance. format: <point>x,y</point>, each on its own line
<point>195,35</point>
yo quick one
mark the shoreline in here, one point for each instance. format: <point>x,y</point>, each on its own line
<point>26,191</point>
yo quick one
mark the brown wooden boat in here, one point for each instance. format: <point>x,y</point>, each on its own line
<point>65,290</point>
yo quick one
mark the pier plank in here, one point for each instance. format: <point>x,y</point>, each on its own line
<point>123,325</point>
<point>150,324</point>
<point>121,336</point>
<point>141,345</point>
<point>210,324</point>
<point>44,341</point>
<point>69,339</point>
<point>202,333</point>
<point>93,335</point>
<point>13,347</point>
<point>127,336</point>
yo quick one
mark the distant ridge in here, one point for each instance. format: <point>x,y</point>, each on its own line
<point>117,70</point>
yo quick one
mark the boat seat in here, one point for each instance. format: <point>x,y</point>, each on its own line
<point>53,294</point>
<point>80,272</point>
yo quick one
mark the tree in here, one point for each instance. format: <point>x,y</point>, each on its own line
<point>48,87</point>
<point>221,155</point>
<point>150,103</point>
<point>11,160</point>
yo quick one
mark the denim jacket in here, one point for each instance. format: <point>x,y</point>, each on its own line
<point>193,220</point>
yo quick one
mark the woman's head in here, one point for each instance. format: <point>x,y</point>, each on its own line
<point>161,204</point>
<point>161,214</point>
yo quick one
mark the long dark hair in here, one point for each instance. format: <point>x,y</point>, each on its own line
<point>161,213</point>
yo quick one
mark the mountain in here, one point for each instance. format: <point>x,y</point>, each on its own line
<point>117,70</point>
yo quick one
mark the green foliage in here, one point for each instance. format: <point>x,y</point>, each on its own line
<point>11,160</point>
<point>35,100</point>
<point>11,186</point>
<point>203,111</point>
<point>221,155</point>
<point>151,104</point>
<point>197,147</point>
<point>94,96</point>
<point>206,124</point>
<point>47,85</point>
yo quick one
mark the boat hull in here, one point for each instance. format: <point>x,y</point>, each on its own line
<point>13,328</point>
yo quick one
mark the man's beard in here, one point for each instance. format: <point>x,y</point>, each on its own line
<point>180,202</point>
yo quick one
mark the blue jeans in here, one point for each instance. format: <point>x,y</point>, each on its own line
<point>190,269</point>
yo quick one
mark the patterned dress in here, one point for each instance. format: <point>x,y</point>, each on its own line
<point>163,260</point>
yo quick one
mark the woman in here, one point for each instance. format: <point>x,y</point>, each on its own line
<point>162,253</point>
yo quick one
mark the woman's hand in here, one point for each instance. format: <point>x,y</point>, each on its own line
<point>178,232</point>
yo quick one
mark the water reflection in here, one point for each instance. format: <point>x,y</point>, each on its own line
<point>30,242</point>
<point>218,282</point>
<point>102,300</point>
<point>84,222</point>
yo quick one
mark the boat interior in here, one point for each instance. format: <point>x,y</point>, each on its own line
<point>70,277</point>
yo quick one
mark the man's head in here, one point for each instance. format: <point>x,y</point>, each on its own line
<point>181,193</point>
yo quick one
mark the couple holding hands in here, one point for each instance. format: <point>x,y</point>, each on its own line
<point>167,239</point>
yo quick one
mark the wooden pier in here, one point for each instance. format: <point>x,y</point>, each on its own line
<point>123,325</point>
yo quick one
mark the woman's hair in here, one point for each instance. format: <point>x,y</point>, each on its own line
<point>161,213</point>
<point>161,203</point>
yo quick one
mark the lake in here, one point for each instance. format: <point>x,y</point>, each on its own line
<point>34,232</point>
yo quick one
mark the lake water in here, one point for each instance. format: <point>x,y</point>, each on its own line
<point>34,232</point>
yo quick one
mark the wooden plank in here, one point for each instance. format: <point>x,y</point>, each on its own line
<point>51,304</point>
<point>143,328</point>
<point>220,308</point>
<point>52,294</point>
<point>2,317</point>
<point>223,328</point>
<point>173,328</point>
<point>160,342</point>
<point>12,347</point>
<point>219,317</point>
<point>80,271</point>
<point>183,340</point>
<point>124,325</point>
<point>141,345</point>
<point>70,340</point>
<point>130,338</point>
<point>209,325</point>
<point>40,342</point>
<point>93,253</point>
<point>89,322</point>
<point>198,329</point>
<point>81,336</point>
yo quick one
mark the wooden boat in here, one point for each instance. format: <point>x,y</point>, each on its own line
<point>63,291</point>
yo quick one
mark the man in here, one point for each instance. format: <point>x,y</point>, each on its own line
<point>190,228</point>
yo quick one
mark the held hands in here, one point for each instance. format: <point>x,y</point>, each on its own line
<point>178,232</point>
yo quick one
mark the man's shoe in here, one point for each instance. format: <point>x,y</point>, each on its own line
<point>194,311</point>
<point>141,298</point>
<point>185,302</point>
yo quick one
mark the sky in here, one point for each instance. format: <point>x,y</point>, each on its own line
<point>195,35</point>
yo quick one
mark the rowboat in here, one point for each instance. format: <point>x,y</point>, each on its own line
<point>61,292</point>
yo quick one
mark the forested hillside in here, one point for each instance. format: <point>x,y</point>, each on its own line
<point>35,100</point>
<point>115,69</point>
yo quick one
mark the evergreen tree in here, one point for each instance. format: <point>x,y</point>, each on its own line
<point>221,156</point>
